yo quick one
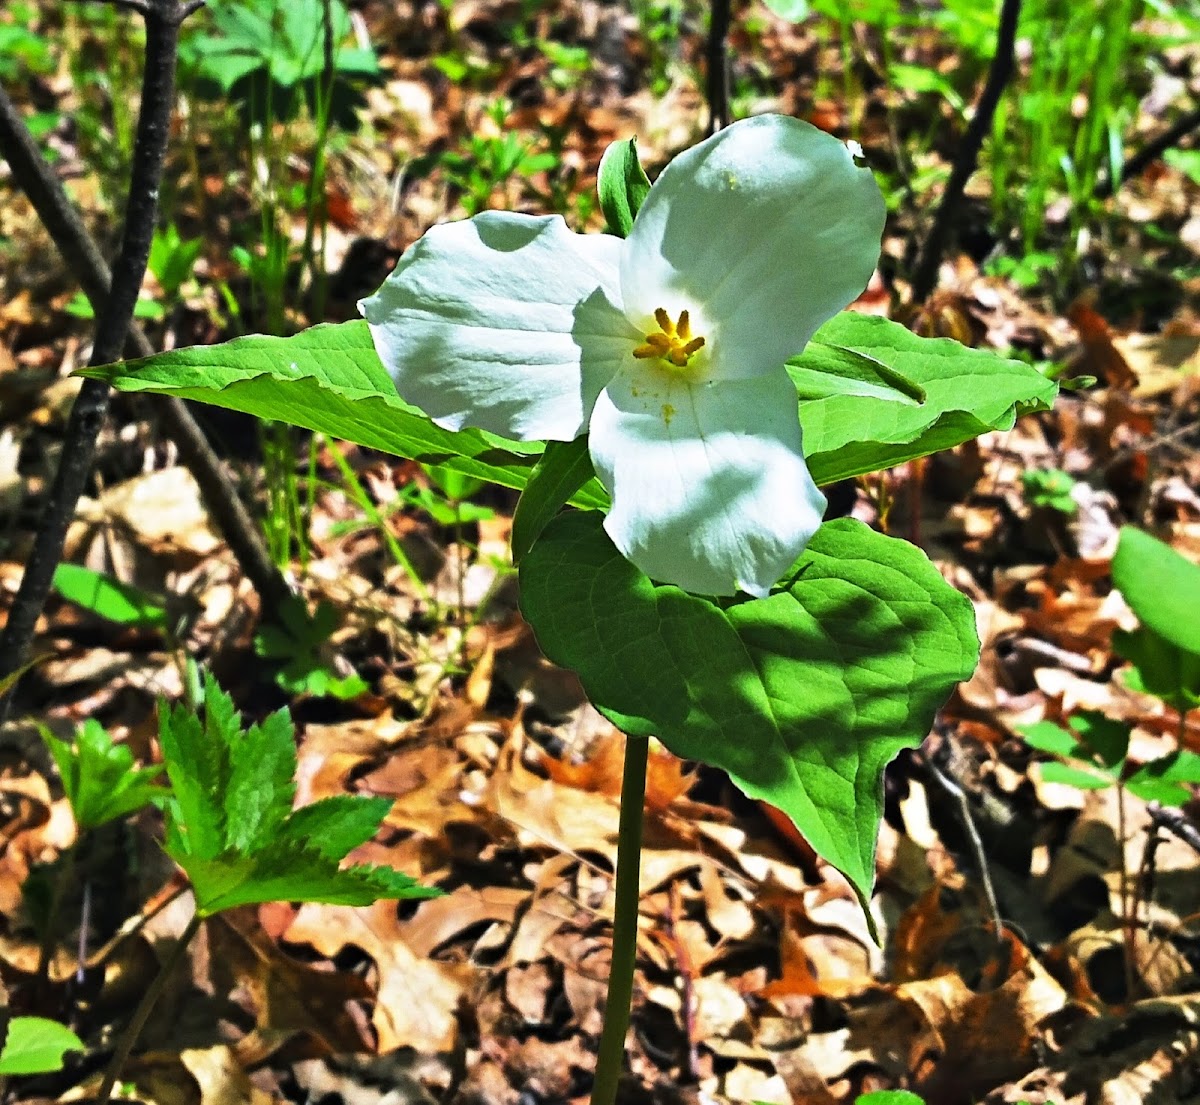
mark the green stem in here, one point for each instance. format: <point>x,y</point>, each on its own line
<point>610,1059</point>
<point>142,1014</point>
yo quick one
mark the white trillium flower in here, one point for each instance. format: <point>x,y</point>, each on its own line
<point>667,348</point>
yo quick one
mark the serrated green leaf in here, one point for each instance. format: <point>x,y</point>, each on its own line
<point>967,392</point>
<point>289,872</point>
<point>336,825</point>
<point>802,697</point>
<point>35,1045</point>
<point>565,467</point>
<point>196,767</point>
<point>622,185</point>
<point>1161,586</point>
<point>259,794</point>
<point>108,598</point>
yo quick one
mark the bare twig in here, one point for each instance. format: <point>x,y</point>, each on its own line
<point>1150,152</point>
<point>964,806</point>
<point>924,277</point>
<point>163,19</point>
<point>717,78</point>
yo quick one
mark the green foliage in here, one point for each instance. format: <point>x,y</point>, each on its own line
<point>35,1045</point>
<point>1095,751</point>
<point>622,185</point>
<point>98,776</point>
<point>22,53</point>
<point>1050,488</point>
<point>1163,590</point>
<point>565,467</point>
<point>230,823</point>
<point>297,644</point>
<point>889,1097</point>
<point>802,697</point>
<point>269,56</point>
<point>329,379</point>
<point>109,598</point>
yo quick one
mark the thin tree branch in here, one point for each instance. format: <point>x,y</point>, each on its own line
<point>924,277</point>
<point>1150,152</point>
<point>162,19</point>
<point>717,77</point>
<point>82,256</point>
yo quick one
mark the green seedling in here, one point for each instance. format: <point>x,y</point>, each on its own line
<point>482,165</point>
<point>99,778</point>
<point>1093,756</point>
<point>230,823</point>
<point>297,644</point>
<point>1050,489</point>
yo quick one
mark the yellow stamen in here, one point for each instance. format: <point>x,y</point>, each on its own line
<point>672,343</point>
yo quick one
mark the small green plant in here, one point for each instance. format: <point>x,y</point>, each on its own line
<point>99,778</point>
<point>269,57</point>
<point>230,823</point>
<point>1050,489</point>
<point>297,644</point>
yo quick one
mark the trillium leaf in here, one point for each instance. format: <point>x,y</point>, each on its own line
<point>802,697</point>
<point>622,184</point>
<point>823,371</point>
<point>967,392</point>
<point>328,379</point>
<point>565,467</point>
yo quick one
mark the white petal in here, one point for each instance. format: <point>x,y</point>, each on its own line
<point>506,322</point>
<point>763,231</point>
<point>709,486</point>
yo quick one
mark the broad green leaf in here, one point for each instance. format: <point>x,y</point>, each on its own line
<point>327,379</point>
<point>622,185</point>
<point>1081,778</point>
<point>1106,738</point>
<point>967,392</point>
<point>330,379</point>
<point>107,597</point>
<point>823,371</point>
<point>1161,586</point>
<point>802,697</point>
<point>1160,667</point>
<point>36,1045</point>
<point>198,772</point>
<point>98,776</point>
<point>564,468</point>
<point>1045,736</point>
<point>889,1097</point>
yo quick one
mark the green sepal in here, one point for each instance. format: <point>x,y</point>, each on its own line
<point>622,185</point>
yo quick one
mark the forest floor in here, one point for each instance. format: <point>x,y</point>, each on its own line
<point>757,979</point>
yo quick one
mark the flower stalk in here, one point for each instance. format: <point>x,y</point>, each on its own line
<point>610,1058</point>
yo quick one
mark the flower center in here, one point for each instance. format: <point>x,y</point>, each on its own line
<point>671,342</point>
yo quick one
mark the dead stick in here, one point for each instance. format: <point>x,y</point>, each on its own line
<point>924,277</point>
<point>717,61</point>
<point>79,250</point>
<point>117,297</point>
<point>1150,152</point>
